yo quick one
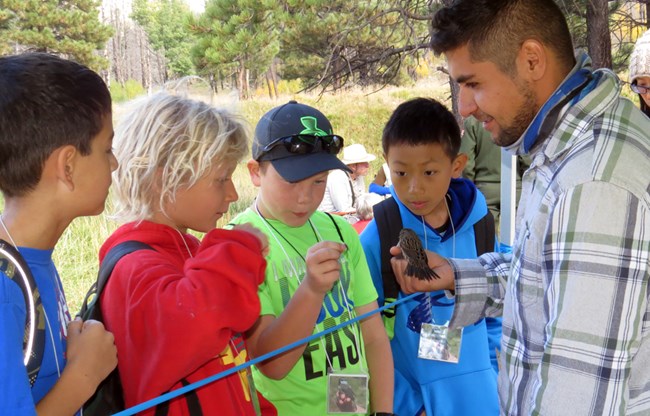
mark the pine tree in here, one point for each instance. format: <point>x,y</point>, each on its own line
<point>332,43</point>
<point>166,23</point>
<point>70,28</point>
<point>240,36</point>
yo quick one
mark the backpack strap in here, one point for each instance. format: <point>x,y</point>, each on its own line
<point>14,266</point>
<point>109,397</point>
<point>105,269</point>
<point>193,403</point>
<point>90,309</point>
<point>485,234</point>
<point>389,224</point>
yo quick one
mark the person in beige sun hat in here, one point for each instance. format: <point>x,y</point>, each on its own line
<point>343,188</point>
<point>640,71</point>
<point>356,154</point>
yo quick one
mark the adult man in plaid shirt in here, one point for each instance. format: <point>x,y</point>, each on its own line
<point>574,293</point>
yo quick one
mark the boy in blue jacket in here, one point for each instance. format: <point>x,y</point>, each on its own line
<point>421,144</point>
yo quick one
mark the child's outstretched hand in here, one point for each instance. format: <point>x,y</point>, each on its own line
<point>257,233</point>
<point>91,351</point>
<point>323,267</point>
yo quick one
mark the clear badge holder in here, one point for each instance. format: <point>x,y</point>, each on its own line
<point>440,343</point>
<point>347,393</point>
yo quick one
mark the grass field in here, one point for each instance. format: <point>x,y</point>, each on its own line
<point>356,115</point>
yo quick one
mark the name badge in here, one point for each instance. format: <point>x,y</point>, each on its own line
<point>440,343</point>
<point>347,393</point>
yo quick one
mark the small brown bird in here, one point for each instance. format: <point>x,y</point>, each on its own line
<point>414,253</point>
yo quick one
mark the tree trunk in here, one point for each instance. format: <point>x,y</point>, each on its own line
<point>241,80</point>
<point>145,64</point>
<point>247,80</point>
<point>268,85</point>
<point>274,76</point>
<point>455,92</point>
<point>598,37</point>
<point>213,84</point>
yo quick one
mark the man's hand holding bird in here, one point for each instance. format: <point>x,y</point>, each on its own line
<point>419,270</point>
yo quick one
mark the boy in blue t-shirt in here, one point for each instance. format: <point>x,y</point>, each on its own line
<point>420,143</point>
<point>56,161</point>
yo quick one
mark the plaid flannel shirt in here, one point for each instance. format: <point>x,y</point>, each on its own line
<point>574,292</point>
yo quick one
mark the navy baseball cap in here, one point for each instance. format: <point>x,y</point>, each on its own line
<point>288,120</point>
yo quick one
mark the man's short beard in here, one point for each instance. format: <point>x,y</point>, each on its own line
<point>525,115</point>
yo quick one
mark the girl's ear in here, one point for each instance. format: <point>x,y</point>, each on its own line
<point>255,171</point>
<point>458,165</point>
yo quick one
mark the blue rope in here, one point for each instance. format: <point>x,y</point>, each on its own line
<point>175,393</point>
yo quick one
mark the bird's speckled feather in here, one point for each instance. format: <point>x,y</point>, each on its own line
<point>414,253</point>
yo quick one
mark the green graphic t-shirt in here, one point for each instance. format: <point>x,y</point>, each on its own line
<point>303,391</point>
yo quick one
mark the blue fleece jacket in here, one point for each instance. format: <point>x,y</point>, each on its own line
<point>470,386</point>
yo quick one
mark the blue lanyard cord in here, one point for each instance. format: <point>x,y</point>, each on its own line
<point>178,392</point>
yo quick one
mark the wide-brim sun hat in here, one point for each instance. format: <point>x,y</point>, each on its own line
<point>356,153</point>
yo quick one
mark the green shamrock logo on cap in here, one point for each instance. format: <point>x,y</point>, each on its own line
<point>311,126</point>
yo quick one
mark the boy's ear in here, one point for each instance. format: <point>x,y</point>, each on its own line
<point>458,165</point>
<point>254,170</point>
<point>65,162</point>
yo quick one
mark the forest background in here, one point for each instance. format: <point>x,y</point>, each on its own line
<point>355,60</point>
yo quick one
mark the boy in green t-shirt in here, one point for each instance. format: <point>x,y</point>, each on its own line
<point>316,277</point>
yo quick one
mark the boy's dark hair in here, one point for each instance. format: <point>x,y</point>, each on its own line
<point>494,30</point>
<point>422,121</point>
<point>46,102</point>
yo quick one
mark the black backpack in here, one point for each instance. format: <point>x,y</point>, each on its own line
<point>389,224</point>
<point>109,398</point>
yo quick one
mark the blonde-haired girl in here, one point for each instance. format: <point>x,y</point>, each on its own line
<point>177,311</point>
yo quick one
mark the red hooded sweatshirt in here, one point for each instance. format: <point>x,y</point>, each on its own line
<point>177,315</point>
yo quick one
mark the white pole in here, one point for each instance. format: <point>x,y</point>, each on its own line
<point>508,197</point>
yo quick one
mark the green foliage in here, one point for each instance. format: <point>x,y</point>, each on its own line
<point>71,28</point>
<point>131,89</point>
<point>353,42</point>
<point>166,23</point>
<point>236,36</point>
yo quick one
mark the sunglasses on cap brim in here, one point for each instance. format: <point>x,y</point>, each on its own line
<point>302,144</point>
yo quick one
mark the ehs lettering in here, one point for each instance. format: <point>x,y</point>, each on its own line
<point>340,347</point>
